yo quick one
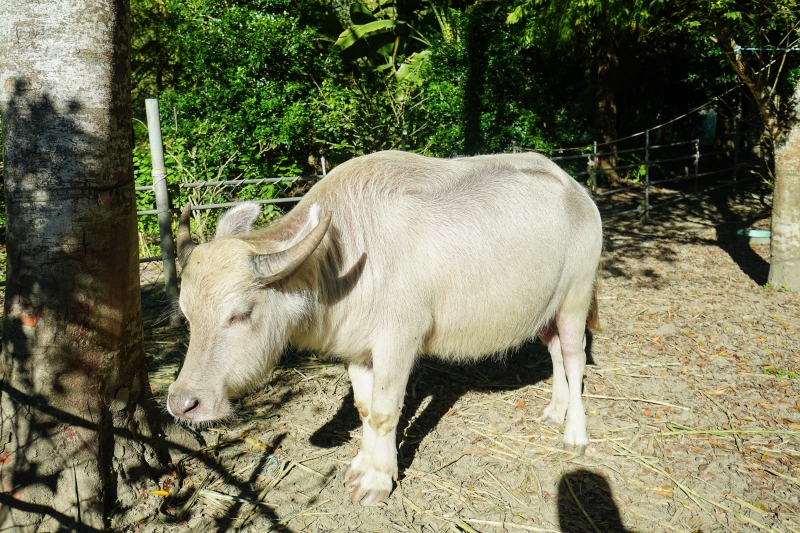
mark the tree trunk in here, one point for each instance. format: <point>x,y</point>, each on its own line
<point>606,115</point>
<point>784,265</point>
<point>783,137</point>
<point>78,424</point>
<point>724,141</point>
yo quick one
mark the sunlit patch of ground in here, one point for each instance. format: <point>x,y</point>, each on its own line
<point>691,395</point>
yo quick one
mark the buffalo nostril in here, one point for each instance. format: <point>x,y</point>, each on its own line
<point>180,405</point>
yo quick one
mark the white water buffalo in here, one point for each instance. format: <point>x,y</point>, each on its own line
<point>390,257</point>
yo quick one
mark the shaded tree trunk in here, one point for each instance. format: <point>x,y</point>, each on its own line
<point>79,428</point>
<point>782,135</point>
<point>724,136</point>
<point>606,115</point>
<point>475,83</point>
<point>784,264</point>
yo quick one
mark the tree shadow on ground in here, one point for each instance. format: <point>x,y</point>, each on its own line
<point>738,248</point>
<point>582,493</point>
<point>628,248</point>
<point>441,384</point>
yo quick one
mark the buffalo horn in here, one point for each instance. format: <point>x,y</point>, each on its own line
<point>270,268</point>
<point>185,244</point>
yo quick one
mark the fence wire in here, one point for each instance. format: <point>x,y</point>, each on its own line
<point>640,174</point>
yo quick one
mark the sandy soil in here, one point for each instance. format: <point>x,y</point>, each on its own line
<point>691,396</point>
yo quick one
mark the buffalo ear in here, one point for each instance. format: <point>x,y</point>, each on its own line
<point>238,220</point>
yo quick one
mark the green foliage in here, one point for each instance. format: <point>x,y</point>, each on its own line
<point>253,89</point>
<point>752,40</point>
<point>791,374</point>
<point>584,25</point>
<point>399,33</point>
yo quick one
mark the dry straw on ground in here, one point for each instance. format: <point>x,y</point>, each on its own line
<point>691,397</point>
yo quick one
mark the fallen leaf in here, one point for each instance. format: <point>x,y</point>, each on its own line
<point>159,492</point>
<point>473,451</point>
<point>256,443</point>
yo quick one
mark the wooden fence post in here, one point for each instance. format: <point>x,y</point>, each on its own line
<point>696,161</point>
<point>645,219</point>
<point>159,174</point>
<point>594,169</point>
<point>735,148</point>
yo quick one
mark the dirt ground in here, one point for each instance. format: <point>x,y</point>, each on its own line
<point>691,395</point>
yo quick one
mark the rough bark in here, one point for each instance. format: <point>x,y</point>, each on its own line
<point>77,442</point>
<point>606,115</point>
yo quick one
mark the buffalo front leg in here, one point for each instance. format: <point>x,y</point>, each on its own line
<point>378,394</point>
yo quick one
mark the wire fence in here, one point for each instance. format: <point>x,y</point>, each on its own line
<point>632,185</point>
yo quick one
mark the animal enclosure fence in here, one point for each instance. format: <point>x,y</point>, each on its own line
<point>684,166</point>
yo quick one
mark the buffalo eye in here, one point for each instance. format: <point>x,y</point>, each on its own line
<point>241,317</point>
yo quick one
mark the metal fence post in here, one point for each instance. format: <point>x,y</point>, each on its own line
<point>159,174</point>
<point>324,170</point>
<point>696,161</point>
<point>646,215</point>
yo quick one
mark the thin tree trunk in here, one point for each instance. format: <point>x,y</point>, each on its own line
<point>75,404</point>
<point>784,266</point>
<point>724,136</point>
<point>606,114</point>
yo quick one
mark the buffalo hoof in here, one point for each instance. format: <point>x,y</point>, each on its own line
<point>579,449</point>
<point>358,467</point>
<point>552,416</point>
<point>549,422</point>
<point>371,486</point>
<point>371,497</point>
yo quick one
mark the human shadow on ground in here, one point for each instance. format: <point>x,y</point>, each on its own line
<point>583,493</point>
<point>444,383</point>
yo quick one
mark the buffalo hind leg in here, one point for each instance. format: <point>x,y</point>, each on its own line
<point>556,410</point>
<point>378,394</point>
<point>572,337</point>
<point>565,338</point>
